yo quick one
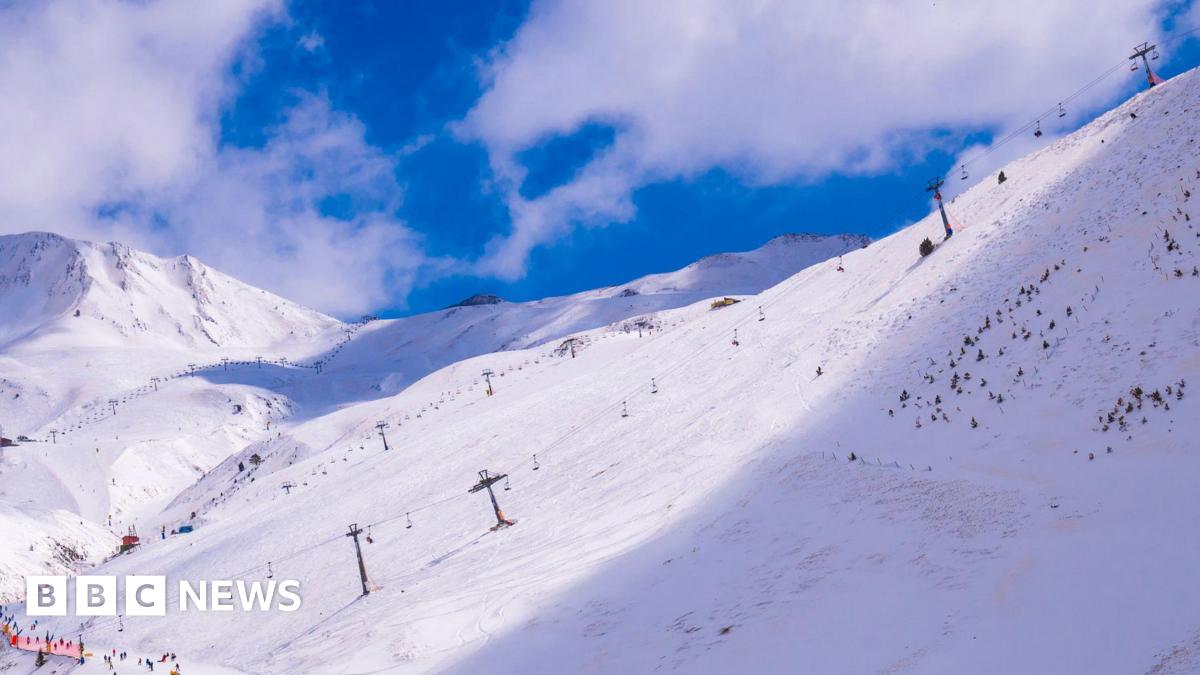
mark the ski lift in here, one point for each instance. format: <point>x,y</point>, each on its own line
<point>1037,132</point>
<point>964,172</point>
<point>408,517</point>
<point>536,466</point>
<point>624,409</point>
<point>735,340</point>
<point>1062,112</point>
<point>270,571</point>
<point>653,386</point>
<point>1154,55</point>
<point>120,624</point>
<point>370,539</point>
<point>1133,66</point>
<point>761,316</point>
<point>507,487</point>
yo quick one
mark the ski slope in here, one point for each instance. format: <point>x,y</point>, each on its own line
<point>409,348</point>
<point>712,520</point>
<point>126,407</point>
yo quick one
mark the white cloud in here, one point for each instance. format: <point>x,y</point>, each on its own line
<point>259,212</point>
<point>772,90</point>
<point>311,42</point>
<point>116,105</point>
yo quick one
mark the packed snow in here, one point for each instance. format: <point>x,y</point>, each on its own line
<point>980,460</point>
<point>133,376</point>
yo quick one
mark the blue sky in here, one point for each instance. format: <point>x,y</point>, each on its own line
<point>396,157</point>
<point>406,70</point>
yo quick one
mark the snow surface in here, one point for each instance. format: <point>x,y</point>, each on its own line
<point>115,447</point>
<point>410,348</point>
<point>720,525</point>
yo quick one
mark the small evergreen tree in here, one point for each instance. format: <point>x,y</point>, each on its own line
<point>926,247</point>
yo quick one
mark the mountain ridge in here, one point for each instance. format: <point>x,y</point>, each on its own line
<point>178,302</point>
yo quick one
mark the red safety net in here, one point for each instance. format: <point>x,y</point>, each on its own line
<point>60,647</point>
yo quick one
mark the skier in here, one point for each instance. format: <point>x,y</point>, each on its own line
<point>1001,178</point>
<point>819,371</point>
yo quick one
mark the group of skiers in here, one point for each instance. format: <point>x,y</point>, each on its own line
<point>111,660</point>
<point>60,646</point>
<point>15,636</point>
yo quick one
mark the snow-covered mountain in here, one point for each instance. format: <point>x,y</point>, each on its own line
<point>85,323</point>
<point>53,285</point>
<point>980,460</point>
<point>389,355</point>
<point>745,273</point>
<point>157,370</point>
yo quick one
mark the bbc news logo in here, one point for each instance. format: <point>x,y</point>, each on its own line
<point>147,596</point>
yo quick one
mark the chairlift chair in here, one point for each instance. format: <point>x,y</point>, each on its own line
<point>1154,55</point>
<point>1062,112</point>
<point>964,172</point>
<point>1037,132</point>
<point>1133,66</point>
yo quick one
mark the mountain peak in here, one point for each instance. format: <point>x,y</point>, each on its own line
<point>479,299</point>
<point>801,238</point>
<point>50,284</point>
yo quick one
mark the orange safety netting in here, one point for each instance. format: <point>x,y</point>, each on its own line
<point>60,647</point>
